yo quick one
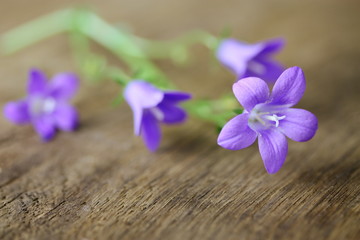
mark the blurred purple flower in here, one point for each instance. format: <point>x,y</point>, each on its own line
<point>151,106</point>
<point>251,60</point>
<point>269,117</point>
<point>46,106</point>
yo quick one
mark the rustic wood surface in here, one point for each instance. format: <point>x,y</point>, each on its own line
<point>101,182</point>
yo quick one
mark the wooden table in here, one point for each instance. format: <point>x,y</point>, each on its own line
<point>101,183</point>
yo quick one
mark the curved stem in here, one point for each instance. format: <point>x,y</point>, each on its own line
<point>121,44</point>
<point>134,51</point>
<point>178,48</point>
<point>36,30</point>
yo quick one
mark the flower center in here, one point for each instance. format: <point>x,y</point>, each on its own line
<point>41,105</point>
<point>264,119</point>
<point>256,67</point>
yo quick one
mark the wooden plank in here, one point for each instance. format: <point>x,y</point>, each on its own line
<point>101,182</point>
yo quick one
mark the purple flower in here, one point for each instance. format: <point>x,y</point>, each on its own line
<point>151,106</point>
<point>251,60</point>
<point>269,117</point>
<point>46,106</point>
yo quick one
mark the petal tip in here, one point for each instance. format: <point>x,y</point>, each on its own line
<point>47,137</point>
<point>236,134</point>
<point>274,168</point>
<point>289,87</point>
<point>273,150</point>
<point>280,42</point>
<point>16,112</point>
<point>251,91</point>
<point>272,171</point>
<point>153,149</point>
<point>35,70</point>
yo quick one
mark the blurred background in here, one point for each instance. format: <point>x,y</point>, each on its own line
<point>319,36</point>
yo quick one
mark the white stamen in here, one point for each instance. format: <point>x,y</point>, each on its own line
<point>275,118</point>
<point>256,67</point>
<point>264,116</point>
<point>159,115</point>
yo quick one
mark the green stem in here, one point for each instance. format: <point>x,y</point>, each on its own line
<point>216,111</point>
<point>121,44</point>
<point>134,51</point>
<point>118,76</point>
<point>93,66</point>
<point>36,30</point>
<point>92,26</point>
<point>177,49</point>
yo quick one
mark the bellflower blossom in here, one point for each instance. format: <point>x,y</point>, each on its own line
<point>46,107</point>
<point>251,60</point>
<point>152,106</point>
<point>269,117</point>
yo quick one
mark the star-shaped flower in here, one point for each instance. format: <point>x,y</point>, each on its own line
<point>251,60</point>
<point>269,117</point>
<point>47,105</point>
<point>152,106</point>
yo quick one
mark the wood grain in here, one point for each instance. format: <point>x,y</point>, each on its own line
<point>101,183</point>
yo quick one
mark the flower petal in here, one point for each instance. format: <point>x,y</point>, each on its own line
<point>251,91</point>
<point>17,112</point>
<point>236,134</point>
<point>176,97</point>
<point>172,113</point>
<point>141,95</point>
<point>299,125</point>
<point>64,85</point>
<point>272,46</point>
<point>138,115</point>
<point>66,117</point>
<point>235,55</point>
<point>273,149</point>
<point>36,82</point>
<point>269,70</point>
<point>289,88</point>
<point>150,131</point>
<point>44,126</point>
